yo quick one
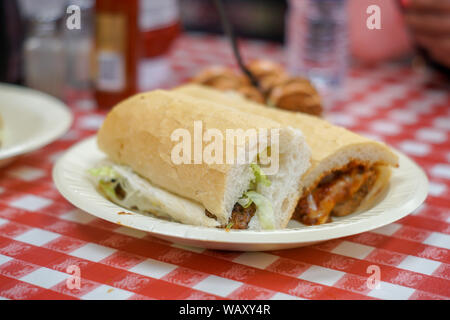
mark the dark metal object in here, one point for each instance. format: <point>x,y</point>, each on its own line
<point>229,32</point>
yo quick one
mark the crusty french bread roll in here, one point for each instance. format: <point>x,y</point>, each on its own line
<point>333,149</point>
<point>138,133</point>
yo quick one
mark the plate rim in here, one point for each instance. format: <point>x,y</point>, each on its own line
<point>289,236</point>
<point>63,126</point>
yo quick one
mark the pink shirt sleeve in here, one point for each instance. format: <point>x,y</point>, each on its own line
<point>371,46</point>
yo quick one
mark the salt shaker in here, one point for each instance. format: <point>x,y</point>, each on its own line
<point>44,54</point>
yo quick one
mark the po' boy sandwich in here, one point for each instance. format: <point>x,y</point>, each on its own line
<point>347,170</point>
<point>155,164</point>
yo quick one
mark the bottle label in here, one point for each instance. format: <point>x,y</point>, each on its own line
<point>156,14</point>
<point>111,52</point>
<point>153,72</point>
<point>111,71</point>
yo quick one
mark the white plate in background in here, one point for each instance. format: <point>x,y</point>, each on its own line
<point>407,189</point>
<point>31,120</point>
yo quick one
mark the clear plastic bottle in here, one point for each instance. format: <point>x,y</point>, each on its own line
<point>317,41</point>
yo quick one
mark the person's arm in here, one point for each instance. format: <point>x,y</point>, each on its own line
<point>377,45</point>
<point>429,21</point>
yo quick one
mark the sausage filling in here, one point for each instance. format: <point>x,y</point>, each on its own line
<point>251,202</point>
<point>337,194</point>
<point>240,216</point>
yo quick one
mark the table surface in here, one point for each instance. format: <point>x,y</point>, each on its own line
<point>42,236</point>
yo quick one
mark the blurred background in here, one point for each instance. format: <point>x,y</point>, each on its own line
<point>115,48</point>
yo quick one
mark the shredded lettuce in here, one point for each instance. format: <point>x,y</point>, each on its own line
<point>104,173</point>
<point>260,177</point>
<point>108,188</point>
<point>264,209</point>
<point>245,201</point>
<point>107,178</point>
<point>229,226</point>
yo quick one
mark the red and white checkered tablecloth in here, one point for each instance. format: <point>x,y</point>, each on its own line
<point>41,234</point>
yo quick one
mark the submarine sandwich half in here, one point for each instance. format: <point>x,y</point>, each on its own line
<point>154,163</point>
<point>347,170</point>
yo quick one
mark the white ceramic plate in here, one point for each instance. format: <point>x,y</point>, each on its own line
<point>407,190</point>
<point>31,120</point>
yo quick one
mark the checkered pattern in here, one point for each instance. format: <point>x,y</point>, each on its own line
<point>42,236</point>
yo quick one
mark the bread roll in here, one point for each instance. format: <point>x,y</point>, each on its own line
<point>333,148</point>
<point>138,133</point>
